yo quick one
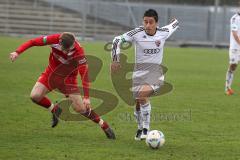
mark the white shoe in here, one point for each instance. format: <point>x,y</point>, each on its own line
<point>138,135</point>
<point>144,134</point>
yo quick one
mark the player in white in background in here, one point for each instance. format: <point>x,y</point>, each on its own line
<point>234,51</point>
<point>149,41</point>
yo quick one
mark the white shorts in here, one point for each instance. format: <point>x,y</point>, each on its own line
<point>155,84</point>
<point>234,56</point>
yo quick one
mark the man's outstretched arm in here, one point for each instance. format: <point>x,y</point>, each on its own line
<point>39,41</point>
<point>117,41</point>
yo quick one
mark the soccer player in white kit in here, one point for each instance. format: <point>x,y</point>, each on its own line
<point>147,76</point>
<point>234,51</point>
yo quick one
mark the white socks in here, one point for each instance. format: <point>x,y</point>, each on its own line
<point>229,79</point>
<point>138,116</point>
<point>146,114</point>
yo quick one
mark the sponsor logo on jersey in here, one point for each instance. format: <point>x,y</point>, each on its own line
<point>151,51</point>
<point>58,47</point>
<point>59,58</point>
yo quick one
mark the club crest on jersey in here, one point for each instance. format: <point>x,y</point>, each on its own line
<point>157,42</point>
<point>144,36</point>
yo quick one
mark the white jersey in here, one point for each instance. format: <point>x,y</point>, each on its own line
<point>148,49</point>
<point>234,26</point>
<point>148,53</point>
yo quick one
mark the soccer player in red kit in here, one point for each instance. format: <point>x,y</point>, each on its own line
<point>66,60</point>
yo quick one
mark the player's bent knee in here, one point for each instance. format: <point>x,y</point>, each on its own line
<point>35,97</point>
<point>233,67</point>
<point>142,101</point>
<point>80,109</point>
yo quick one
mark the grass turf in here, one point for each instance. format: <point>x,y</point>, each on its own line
<point>198,120</point>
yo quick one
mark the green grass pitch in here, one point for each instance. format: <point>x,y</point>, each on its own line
<point>198,120</point>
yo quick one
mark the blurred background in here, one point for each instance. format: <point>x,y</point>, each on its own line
<point>202,22</point>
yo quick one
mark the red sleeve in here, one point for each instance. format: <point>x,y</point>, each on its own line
<point>83,71</point>
<point>39,41</point>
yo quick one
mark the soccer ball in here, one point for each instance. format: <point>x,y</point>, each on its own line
<point>155,139</point>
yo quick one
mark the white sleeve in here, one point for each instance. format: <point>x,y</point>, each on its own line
<point>117,41</point>
<point>234,26</point>
<point>171,28</point>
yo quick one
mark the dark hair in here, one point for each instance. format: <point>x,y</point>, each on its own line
<point>151,13</point>
<point>68,39</point>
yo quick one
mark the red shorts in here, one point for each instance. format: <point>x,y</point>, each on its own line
<point>66,85</point>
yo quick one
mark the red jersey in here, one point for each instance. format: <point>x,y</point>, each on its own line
<point>63,64</point>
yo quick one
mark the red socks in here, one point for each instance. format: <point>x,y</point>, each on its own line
<point>90,114</point>
<point>45,102</point>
